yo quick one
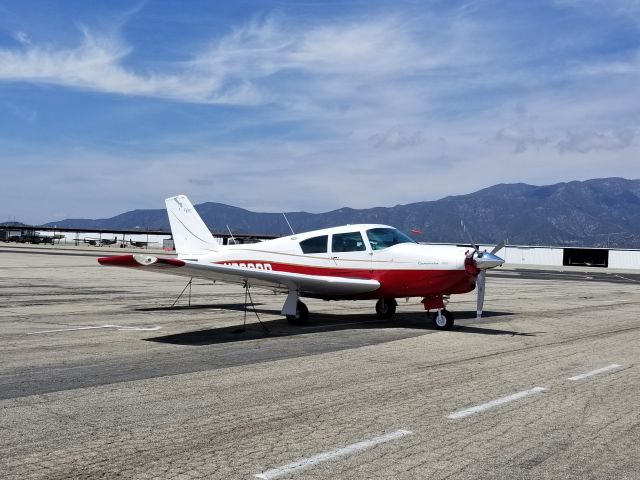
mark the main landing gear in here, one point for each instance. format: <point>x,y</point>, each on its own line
<point>386,307</point>
<point>301,316</point>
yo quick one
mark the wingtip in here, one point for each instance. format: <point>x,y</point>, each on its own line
<point>118,261</point>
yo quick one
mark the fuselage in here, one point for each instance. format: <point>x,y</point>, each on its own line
<point>369,251</point>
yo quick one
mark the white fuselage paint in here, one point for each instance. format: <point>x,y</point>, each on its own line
<point>286,250</point>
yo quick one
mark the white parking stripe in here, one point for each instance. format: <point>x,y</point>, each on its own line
<point>494,403</point>
<point>613,366</point>
<point>330,455</point>
<point>118,327</point>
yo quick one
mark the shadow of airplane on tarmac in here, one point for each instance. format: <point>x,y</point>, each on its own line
<point>413,325</point>
<point>240,307</point>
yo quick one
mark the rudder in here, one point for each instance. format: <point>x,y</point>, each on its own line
<point>190,234</point>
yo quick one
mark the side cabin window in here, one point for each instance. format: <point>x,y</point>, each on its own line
<point>315,244</point>
<point>347,242</point>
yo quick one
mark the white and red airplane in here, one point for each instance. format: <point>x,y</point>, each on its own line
<point>352,262</point>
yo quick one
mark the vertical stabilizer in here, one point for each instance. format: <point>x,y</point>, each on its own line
<point>190,235</point>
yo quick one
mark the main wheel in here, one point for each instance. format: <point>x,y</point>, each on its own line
<point>301,316</point>
<point>386,307</point>
<point>443,320</point>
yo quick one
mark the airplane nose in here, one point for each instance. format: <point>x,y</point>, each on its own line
<point>487,260</point>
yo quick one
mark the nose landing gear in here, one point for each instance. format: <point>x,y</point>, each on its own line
<point>443,319</point>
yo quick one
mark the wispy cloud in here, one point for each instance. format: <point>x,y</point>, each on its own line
<point>22,38</point>
<point>628,8</point>
<point>396,138</point>
<point>590,141</point>
<point>521,138</point>
<point>97,64</point>
<point>239,67</point>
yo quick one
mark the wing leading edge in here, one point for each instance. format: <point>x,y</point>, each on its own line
<point>285,281</point>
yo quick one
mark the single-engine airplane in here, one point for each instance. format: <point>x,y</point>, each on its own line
<point>137,243</point>
<point>100,242</point>
<point>351,262</point>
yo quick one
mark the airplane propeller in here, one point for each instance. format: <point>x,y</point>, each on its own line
<point>483,261</point>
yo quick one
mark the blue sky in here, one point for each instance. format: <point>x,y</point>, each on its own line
<point>308,105</point>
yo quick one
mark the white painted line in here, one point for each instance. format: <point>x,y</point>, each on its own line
<point>494,403</point>
<point>136,329</point>
<point>330,455</point>
<point>613,366</point>
<point>118,327</point>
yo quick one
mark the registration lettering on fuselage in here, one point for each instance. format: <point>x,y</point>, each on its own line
<point>255,266</point>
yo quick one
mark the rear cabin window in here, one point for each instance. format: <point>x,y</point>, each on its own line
<point>347,242</point>
<point>315,244</point>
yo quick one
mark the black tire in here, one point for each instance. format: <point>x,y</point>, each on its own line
<point>386,307</point>
<point>443,323</point>
<point>301,316</point>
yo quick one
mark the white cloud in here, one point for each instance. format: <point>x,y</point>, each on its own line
<point>628,66</point>
<point>594,141</point>
<point>96,64</point>
<point>22,37</point>
<point>521,138</point>
<point>396,138</point>
<point>236,69</point>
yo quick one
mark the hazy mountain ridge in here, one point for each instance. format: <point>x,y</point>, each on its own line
<point>597,212</point>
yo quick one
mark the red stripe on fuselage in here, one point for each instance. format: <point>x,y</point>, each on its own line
<point>393,283</point>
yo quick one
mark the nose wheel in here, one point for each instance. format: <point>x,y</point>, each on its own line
<point>443,320</point>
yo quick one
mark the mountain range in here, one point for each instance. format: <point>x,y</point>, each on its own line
<point>599,212</point>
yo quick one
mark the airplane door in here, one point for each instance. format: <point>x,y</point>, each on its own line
<point>317,249</point>
<point>349,251</point>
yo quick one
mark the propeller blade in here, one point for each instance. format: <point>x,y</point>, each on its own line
<point>480,286</point>
<point>468,235</point>
<point>498,247</point>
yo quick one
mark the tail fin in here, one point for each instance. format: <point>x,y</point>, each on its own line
<point>190,235</point>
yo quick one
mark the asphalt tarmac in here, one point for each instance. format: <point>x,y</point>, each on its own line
<point>100,377</point>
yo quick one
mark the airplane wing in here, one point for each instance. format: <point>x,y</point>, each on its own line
<point>282,281</point>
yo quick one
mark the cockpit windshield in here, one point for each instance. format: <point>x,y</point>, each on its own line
<point>380,238</point>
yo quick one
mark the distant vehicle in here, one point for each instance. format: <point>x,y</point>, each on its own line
<point>100,242</point>
<point>352,262</point>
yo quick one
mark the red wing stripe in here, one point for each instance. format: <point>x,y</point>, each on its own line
<point>119,261</point>
<point>130,261</point>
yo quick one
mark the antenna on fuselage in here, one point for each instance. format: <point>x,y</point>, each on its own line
<point>287,220</point>
<point>231,234</point>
